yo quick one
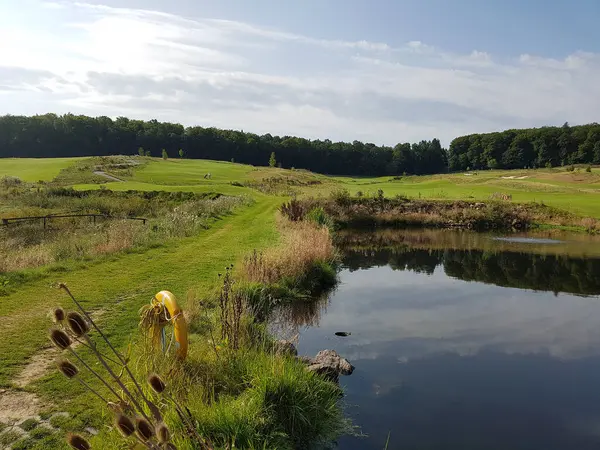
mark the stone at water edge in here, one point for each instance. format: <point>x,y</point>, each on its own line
<point>331,365</point>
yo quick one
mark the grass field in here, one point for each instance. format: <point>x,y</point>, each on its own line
<point>116,286</point>
<point>35,169</point>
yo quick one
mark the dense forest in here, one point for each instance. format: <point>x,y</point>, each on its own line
<point>527,148</point>
<point>51,135</point>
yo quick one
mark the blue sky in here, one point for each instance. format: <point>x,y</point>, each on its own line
<point>379,71</point>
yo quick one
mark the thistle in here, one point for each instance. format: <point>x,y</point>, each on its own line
<point>78,442</point>
<point>60,338</point>
<point>162,433</point>
<point>59,315</point>
<point>77,324</point>
<point>68,369</point>
<point>125,425</point>
<point>144,429</point>
<point>156,383</point>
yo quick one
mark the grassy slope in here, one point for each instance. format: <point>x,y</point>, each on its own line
<point>34,169</point>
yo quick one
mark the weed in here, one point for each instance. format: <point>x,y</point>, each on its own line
<point>29,424</point>
<point>8,437</point>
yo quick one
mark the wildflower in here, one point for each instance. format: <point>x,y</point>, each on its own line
<point>144,428</point>
<point>60,338</point>
<point>78,442</point>
<point>77,324</point>
<point>68,369</point>
<point>125,425</point>
<point>156,383</point>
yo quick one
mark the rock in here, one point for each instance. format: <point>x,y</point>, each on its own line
<point>285,348</point>
<point>331,365</point>
<point>343,333</point>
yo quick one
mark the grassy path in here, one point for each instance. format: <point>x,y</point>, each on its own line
<point>121,286</point>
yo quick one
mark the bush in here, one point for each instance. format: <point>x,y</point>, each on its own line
<point>588,168</point>
<point>293,210</point>
<point>320,217</point>
<point>341,197</point>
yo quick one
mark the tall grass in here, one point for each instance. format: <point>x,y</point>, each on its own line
<point>304,248</point>
<point>170,216</point>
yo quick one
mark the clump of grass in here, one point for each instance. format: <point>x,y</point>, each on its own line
<point>29,424</point>
<point>8,437</point>
<point>304,245</point>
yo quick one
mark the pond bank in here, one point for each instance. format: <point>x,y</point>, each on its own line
<point>379,211</point>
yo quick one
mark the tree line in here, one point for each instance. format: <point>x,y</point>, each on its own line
<point>52,135</point>
<point>526,148</point>
<point>68,135</point>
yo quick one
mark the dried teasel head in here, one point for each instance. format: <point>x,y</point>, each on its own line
<point>162,433</point>
<point>78,442</point>
<point>156,383</point>
<point>125,425</point>
<point>77,324</point>
<point>144,429</point>
<point>59,314</point>
<point>68,369</point>
<point>60,338</point>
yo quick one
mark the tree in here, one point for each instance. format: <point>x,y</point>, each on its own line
<point>141,151</point>
<point>181,153</point>
<point>272,160</point>
<point>148,153</point>
<point>165,156</point>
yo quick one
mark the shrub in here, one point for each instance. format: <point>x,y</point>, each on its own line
<point>293,210</point>
<point>341,197</point>
<point>320,217</point>
<point>588,168</point>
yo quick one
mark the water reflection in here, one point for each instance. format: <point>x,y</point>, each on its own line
<point>461,343</point>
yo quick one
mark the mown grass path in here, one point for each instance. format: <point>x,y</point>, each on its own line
<point>119,287</point>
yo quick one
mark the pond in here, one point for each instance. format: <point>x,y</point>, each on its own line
<point>465,341</point>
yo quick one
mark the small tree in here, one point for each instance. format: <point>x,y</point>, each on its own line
<point>165,156</point>
<point>148,153</point>
<point>181,153</point>
<point>141,151</point>
<point>272,160</point>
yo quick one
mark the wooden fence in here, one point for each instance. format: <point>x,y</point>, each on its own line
<point>16,220</point>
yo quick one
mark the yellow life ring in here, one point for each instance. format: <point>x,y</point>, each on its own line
<point>167,299</point>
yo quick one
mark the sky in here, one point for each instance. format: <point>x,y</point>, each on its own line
<point>378,71</point>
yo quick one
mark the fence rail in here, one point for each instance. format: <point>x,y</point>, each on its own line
<point>15,220</point>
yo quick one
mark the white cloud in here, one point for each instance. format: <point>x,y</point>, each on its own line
<point>97,59</point>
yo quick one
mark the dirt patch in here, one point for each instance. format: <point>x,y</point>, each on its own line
<point>37,367</point>
<point>106,175</point>
<point>16,406</point>
<point>43,361</point>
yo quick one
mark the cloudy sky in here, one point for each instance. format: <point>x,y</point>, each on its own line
<point>381,71</point>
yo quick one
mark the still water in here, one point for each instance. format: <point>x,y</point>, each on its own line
<point>466,341</point>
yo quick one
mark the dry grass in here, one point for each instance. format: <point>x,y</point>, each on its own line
<point>302,244</point>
